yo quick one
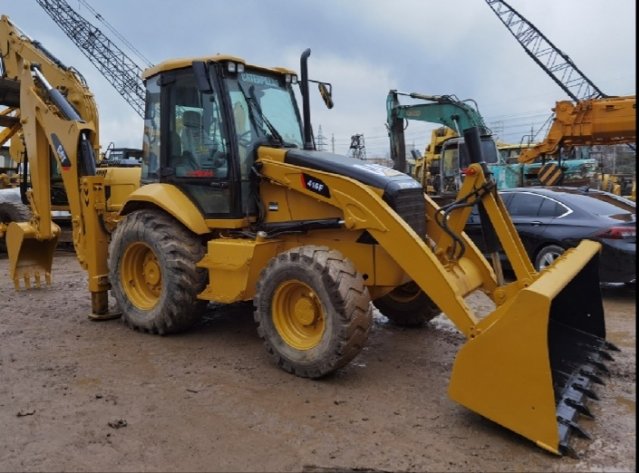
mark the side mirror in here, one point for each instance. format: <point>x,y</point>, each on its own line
<point>326,91</point>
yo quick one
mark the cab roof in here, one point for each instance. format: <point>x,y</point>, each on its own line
<point>180,63</point>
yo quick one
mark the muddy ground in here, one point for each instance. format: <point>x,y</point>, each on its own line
<point>77,395</point>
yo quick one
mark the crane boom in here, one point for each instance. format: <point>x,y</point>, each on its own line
<point>118,68</point>
<point>549,57</point>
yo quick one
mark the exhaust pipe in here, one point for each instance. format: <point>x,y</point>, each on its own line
<point>306,101</point>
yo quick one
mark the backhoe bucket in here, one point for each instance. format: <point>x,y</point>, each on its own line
<point>28,256</point>
<point>534,361</point>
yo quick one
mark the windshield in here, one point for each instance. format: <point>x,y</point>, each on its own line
<point>452,162</point>
<point>264,106</point>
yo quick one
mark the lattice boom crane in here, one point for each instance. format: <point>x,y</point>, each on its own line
<point>118,68</point>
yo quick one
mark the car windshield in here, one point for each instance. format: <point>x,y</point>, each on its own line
<point>268,104</point>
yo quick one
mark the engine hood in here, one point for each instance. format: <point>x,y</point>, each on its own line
<point>389,180</point>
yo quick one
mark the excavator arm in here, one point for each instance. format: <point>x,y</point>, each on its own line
<point>444,109</point>
<point>599,121</point>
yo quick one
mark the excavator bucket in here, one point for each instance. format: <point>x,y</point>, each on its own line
<point>534,361</point>
<point>30,257</point>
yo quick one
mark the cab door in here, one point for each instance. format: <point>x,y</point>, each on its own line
<point>195,152</point>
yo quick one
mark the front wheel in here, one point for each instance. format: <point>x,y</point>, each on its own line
<point>547,256</point>
<point>312,310</point>
<point>407,306</point>
<point>153,273</point>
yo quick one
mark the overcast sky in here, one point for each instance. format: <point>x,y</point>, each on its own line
<point>363,48</point>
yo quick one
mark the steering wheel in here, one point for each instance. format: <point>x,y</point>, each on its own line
<point>189,160</point>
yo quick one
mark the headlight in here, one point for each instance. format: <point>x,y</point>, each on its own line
<point>235,67</point>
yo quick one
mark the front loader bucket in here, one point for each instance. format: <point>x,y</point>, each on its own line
<point>534,361</point>
<point>29,256</point>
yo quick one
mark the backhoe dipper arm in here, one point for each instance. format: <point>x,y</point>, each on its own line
<point>52,127</point>
<point>16,48</point>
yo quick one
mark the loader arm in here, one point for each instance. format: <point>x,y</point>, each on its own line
<point>600,121</point>
<point>443,273</point>
<point>364,209</point>
<point>530,363</point>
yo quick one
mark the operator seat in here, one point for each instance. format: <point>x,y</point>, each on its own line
<point>181,159</point>
<point>191,134</point>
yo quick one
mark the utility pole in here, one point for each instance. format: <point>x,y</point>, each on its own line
<point>321,144</point>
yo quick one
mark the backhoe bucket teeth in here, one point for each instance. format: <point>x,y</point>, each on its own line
<point>535,361</point>
<point>30,259</point>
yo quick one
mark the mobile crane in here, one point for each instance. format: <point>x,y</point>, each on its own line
<point>589,118</point>
<point>234,203</point>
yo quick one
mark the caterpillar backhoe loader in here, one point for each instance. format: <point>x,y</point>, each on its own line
<point>234,203</point>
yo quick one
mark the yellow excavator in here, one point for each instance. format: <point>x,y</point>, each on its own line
<point>233,202</point>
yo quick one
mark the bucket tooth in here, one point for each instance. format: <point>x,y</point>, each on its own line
<point>579,407</point>
<point>592,376</point>
<point>611,346</point>
<point>588,392</point>
<point>568,451</point>
<point>605,355</point>
<point>599,366</point>
<point>30,278</point>
<point>580,431</point>
<point>574,427</point>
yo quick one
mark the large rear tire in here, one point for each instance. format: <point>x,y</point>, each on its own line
<point>153,273</point>
<point>312,310</point>
<point>407,306</point>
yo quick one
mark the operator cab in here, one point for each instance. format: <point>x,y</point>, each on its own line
<point>449,171</point>
<point>205,119</point>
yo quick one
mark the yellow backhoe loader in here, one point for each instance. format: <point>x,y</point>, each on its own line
<point>233,202</point>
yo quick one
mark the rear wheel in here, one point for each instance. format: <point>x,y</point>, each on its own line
<point>312,310</point>
<point>153,273</point>
<point>547,255</point>
<point>407,306</point>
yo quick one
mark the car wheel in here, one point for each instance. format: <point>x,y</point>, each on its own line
<point>547,255</point>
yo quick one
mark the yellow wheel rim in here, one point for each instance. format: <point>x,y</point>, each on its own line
<point>298,315</point>
<point>141,276</point>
